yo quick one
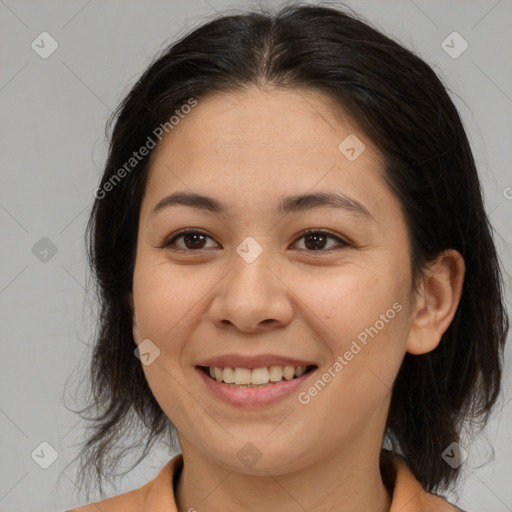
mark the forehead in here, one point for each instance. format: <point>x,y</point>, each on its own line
<point>282,123</point>
<point>273,143</point>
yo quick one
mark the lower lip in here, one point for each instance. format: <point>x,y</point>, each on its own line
<point>253,397</point>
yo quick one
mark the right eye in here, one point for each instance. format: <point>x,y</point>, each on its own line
<point>193,240</point>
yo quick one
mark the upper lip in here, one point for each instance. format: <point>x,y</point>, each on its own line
<point>251,362</point>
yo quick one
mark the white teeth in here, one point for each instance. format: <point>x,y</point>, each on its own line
<point>242,376</point>
<point>289,372</point>
<point>256,377</point>
<point>300,370</point>
<point>229,375</point>
<point>260,376</point>
<point>276,373</point>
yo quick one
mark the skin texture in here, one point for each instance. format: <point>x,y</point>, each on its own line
<point>248,151</point>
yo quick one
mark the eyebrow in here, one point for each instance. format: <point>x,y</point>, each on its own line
<point>297,203</point>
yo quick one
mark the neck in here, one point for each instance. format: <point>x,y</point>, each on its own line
<point>344,481</point>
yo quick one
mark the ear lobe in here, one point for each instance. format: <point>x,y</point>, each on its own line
<point>437,302</point>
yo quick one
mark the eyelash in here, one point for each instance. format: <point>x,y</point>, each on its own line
<point>169,241</point>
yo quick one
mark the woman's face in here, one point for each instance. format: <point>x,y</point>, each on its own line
<point>250,290</point>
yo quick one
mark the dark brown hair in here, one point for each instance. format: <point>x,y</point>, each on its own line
<point>404,109</point>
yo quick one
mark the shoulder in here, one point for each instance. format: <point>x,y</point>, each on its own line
<point>132,501</point>
<point>157,491</point>
<point>407,493</point>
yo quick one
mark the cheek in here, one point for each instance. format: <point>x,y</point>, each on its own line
<point>164,296</point>
<point>350,298</point>
<point>363,320</point>
<point>164,308</point>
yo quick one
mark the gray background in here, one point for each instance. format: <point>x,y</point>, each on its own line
<point>53,113</point>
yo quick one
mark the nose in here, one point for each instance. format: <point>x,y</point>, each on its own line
<point>252,298</point>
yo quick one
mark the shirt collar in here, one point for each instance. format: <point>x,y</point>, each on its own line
<point>407,493</point>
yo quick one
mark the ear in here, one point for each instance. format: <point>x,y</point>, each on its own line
<point>436,302</point>
<point>134,320</point>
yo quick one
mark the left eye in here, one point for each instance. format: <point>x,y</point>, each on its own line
<point>315,240</point>
<point>318,237</point>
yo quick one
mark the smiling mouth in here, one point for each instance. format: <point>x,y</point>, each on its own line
<point>257,377</point>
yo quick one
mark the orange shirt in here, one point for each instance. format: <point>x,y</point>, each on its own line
<point>158,494</point>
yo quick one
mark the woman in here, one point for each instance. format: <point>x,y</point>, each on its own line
<point>290,233</point>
